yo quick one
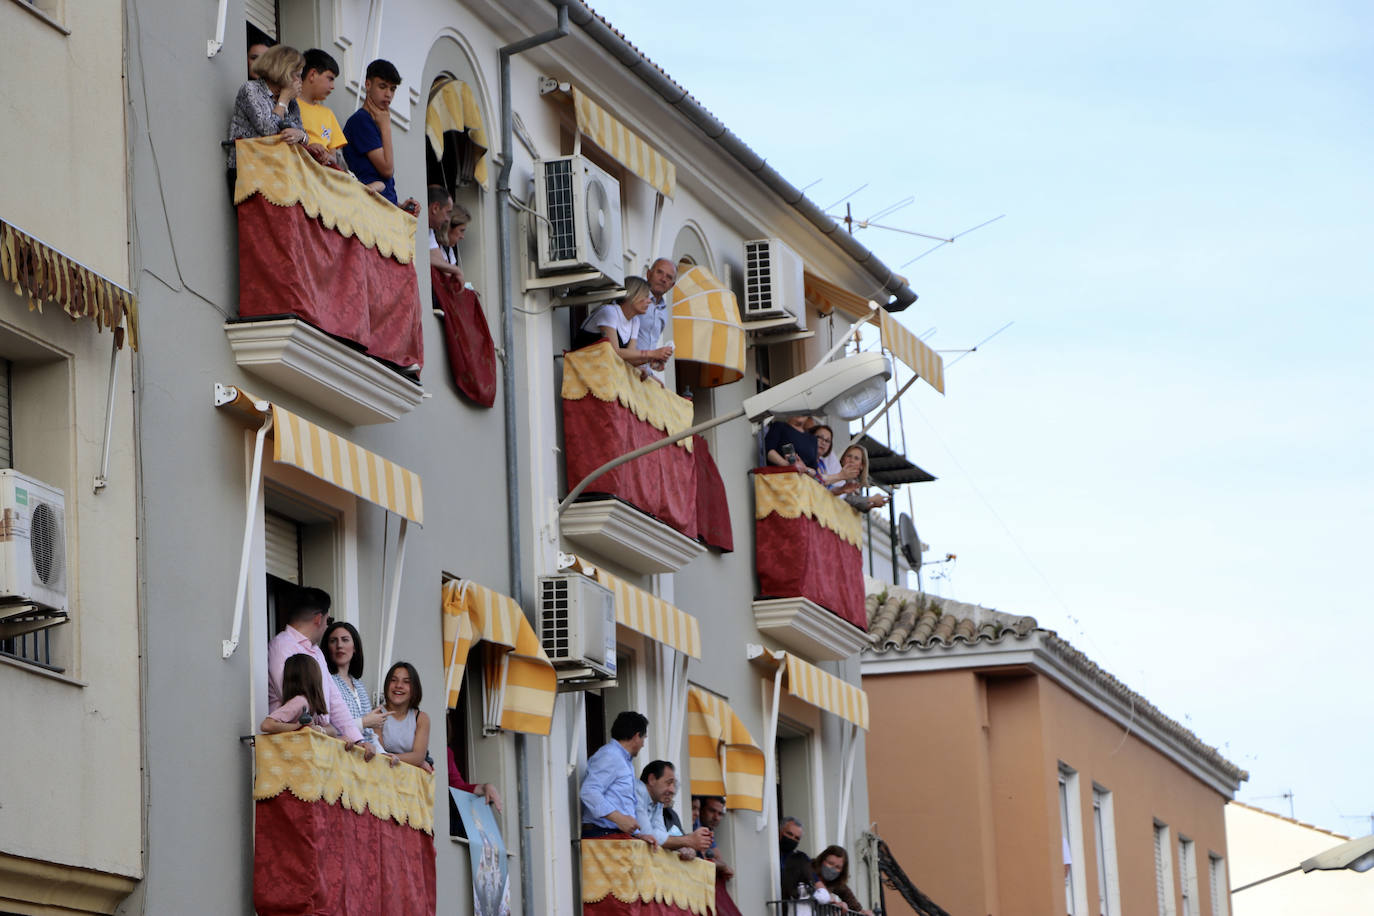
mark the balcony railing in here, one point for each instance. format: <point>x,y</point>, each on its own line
<point>334,833</point>
<point>616,872</point>
<point>659,511</point>
<point>810,567</point>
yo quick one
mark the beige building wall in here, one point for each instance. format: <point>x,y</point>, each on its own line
<point>1264,844</point>
<point>70,834</point>
<point>965,773</point>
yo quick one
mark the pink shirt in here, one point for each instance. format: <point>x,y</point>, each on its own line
<point>289,642</point>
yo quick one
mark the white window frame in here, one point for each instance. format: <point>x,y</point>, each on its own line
<point>1220,890</point>
<point>1164,870</point>
<point>1104,830</point>
<point>1187,877</point>
<point>1071,822</point>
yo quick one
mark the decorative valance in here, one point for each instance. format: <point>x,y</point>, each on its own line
<point>631,872</point>
<point>599,372</point>
<point>791,494</point>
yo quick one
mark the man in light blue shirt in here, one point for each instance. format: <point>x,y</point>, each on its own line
<point>657,789</point>
<point>662,275</point>
<point>610,804</point>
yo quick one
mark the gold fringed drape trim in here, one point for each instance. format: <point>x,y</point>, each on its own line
<point>596,370</point>
<point>44,274</point>
<point>314,767</point>
<point>285,175</point>
<point>629,870</point>
<point>794,495</point>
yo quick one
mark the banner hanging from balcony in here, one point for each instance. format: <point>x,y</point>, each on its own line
<point>43,274</point>
<point>453,109</point>
<point>521,685</point>
<point>623,144</point>
<point>708,338</point>
<point>316,244</point>
<point>813,685</point>
<point>911,350</point>
<point>725,759</point>
<point>646,613</point>
<point>332,458</point>
<point>325,819</point>
<point>623,876</point>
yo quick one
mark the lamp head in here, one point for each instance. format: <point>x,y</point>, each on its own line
<point>845,388</point>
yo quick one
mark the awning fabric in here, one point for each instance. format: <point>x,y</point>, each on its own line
<point>623,144</point>
<point>821,689</point>
<point>707,331</point>
<point>828,297</point>
<point>454,107</point>
<point>332,458</point>
<point>648,614</point>
<point>909,348</point>
<point>518,671</point>
<point>713,730</point>
<point>44,274</point>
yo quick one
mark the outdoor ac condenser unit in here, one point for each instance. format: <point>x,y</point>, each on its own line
<point>33,543</point>
<point>577,626</point>
<point>773,283</point>
<point>579,228</point>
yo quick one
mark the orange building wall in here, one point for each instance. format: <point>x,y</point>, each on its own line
<point>963,775</point>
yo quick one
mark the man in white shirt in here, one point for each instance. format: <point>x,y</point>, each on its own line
<point>440,210</point>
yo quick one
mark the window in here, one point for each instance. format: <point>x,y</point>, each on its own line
<point>1216,879</point>
<point>1187,877</point>
<point>1164,871</point>
<point>1104,833</point>
<point>1071,832</point>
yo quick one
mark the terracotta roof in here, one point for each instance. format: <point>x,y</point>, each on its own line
<point>901,620</point>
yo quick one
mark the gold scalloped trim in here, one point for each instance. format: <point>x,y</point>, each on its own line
<point>598,372</point>
<point>795,495</point>
<point>630,870</point>
<point>314,767</point>
<point>285,175</point>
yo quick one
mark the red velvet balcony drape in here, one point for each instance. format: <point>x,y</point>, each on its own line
<point>799,557</point>
<point>467,337</point>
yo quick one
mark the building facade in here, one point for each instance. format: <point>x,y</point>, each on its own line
<point>1264,844</point>
<point>250,454</point>
<point>1016,776</point>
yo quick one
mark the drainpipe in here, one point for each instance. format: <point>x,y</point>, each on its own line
<point>503,235</point>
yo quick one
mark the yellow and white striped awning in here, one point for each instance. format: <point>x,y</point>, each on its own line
<point>645,613</point>
<point>910,349</point>
<point>828,297</point>
<point>810,684</point>
<point>623,144</point>
<point>454,107</point>
<point>706,331</point>
<point>331,457</point>
<point>725,760</point>
<point>520,681</point>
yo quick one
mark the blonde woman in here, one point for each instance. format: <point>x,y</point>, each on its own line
<point>855,458</point>
<point>266,105</point>
<point>619,324</point>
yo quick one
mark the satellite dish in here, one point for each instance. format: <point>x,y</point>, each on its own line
<point>910,542</point>
<point>598,218</point>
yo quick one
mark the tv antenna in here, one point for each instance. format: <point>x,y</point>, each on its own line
<point>1288,795</point>
<point>1360,817</point>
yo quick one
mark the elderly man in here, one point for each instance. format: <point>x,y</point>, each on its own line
<point>662,276</point>
<point>657,789</point>
<point>796,865</point>
<point>609,802</point>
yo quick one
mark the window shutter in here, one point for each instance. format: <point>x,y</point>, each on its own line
<point>283,548</point>
<point>1164,877</point>
<point>6,429</point>
<point>263,14</point>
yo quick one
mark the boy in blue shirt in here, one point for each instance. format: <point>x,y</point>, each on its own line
<point>369,151</point>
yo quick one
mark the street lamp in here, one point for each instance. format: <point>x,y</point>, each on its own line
<point>846,388</point>
<point>1355,855</point>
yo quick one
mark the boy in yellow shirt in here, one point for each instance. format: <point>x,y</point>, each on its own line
<point>323,134</point>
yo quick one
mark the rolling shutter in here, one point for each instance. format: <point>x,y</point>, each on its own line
<point>263,14</point>
<point>283,548</point>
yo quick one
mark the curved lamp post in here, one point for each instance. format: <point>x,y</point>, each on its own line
<point>846,388</point>
<point>1355,855</point>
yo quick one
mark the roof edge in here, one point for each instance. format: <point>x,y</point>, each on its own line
<point>675,95</point>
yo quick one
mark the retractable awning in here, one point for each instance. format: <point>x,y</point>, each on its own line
<point>453,107</point>
<point>911,350</point>
<point>648,614</point>
<point>725,760</point>
<point>623,145</point>
<point>707,332</point>
<point>828,297</point>
<point>810,684</point>
<point>520,680</point>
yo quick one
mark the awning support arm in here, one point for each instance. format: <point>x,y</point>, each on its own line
<point>847,782</point>
<point>844,338</point>
<point>389,625</point>
<point>102,477</point>
<point>249,526</point>
<point>770,755</point>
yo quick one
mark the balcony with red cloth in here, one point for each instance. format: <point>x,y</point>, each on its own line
<point>334,833</point>
<point>329,300</point>
<point>626,877</point>
<point>810,566</point>
<point>653,514</point>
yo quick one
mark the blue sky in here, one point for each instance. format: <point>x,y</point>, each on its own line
<point>1167,457</point>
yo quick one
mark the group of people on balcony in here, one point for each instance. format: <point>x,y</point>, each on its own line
<point>802,443</point>
<point>824,879</point>
<point>323,689</point>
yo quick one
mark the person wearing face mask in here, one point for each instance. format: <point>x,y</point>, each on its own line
<point>831,868</point>
<point>796,865</point>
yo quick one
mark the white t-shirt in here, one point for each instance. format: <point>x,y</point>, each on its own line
<point>613,316</point>
<point>434,243</point>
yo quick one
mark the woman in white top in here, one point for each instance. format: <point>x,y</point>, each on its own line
<point>405,730</point>
<point>619,324</point>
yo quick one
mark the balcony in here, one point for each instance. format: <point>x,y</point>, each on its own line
<point>329,302</point>
<point>809,564</point>
<point>621,872</point>
<point>336,834</point>
<point>654,514</point>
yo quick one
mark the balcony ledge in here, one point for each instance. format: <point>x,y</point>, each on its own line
<point>805,627</point>
<point>632,539</point>
<point>330,375</point>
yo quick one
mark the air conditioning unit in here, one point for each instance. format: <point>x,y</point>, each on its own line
<point>579,228</point>
<point>773,285</point>
<point>33,543</point>
<point>577,626</point>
